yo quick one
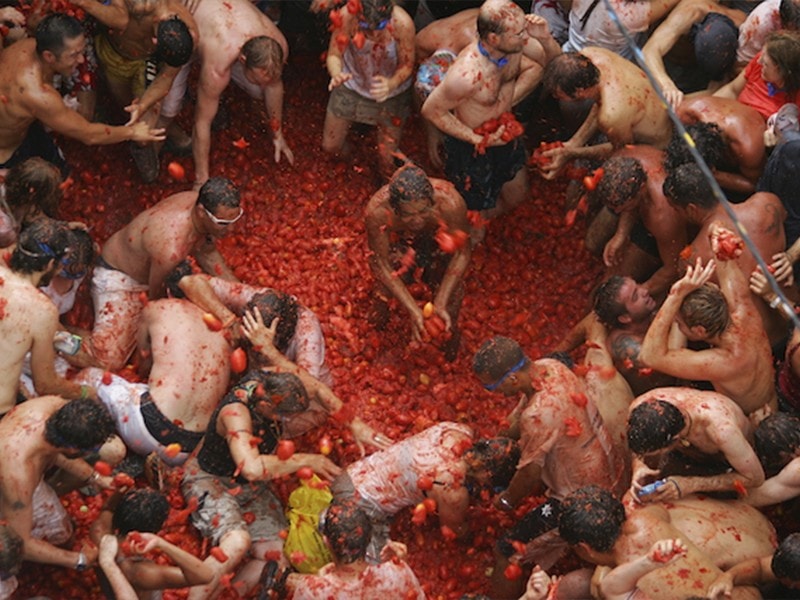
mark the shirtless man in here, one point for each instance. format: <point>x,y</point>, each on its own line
<point>714,39</point>
<point>26,73</point>
<point>30,319</point>
<point>650,234</point>
<point>136,260</point>
<point>595,524</point>
<point>556,424</point>
<point>492,75</point>
<point>690,431</point>
<point>777,442</point>
<point>41,433</point>
<point>237,42</point>
<point>762,215</point>
<point>187,370</point>
<point>738,362</point>
<point>626,308</point>
<point>141,60</point>
<point>743,132</point>
<point>421,210</point>
<point>626,107</point>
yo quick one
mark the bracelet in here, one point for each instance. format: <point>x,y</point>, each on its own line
<point>504,503</point>
<point>677,487</point>
<point>84,392</point>
<point>92,478</point>
<point>775,302</point>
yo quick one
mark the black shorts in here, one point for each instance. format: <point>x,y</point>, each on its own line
<point>39,143</point>
<point>480,177</point>
<point>539,521</point>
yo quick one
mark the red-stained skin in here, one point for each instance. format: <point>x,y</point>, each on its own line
<point>309,241</point>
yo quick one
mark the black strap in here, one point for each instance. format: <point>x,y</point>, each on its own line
<point>588,13</point>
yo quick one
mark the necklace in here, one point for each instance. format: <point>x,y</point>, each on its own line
<point>497,62</point>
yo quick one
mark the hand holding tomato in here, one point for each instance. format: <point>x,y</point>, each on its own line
<point>143,543</point>
<point>725,244</point>
<point>558,158</point>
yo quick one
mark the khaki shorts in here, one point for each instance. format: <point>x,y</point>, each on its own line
<point>347,104</point>
<point>223,502</point>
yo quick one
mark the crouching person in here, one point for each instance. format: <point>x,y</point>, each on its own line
<point>229,476</point>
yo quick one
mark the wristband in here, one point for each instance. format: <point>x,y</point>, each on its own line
<point>83,562</point>
<point>92,478</point>
<point>677,487</point>
<point>775,302</point>
<point>84,392</point>
<point>504,503</point>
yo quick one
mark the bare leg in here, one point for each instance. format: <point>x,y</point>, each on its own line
<point>247,576</point>
<point>235,545</point>
<point>514,193</point>
<point>334,135</point>
<point>388,141</point>
<point>601,230</point>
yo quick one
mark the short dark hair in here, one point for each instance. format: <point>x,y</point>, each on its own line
<point>34,182</point>
<point>653,425</point>
<point>216,192</point>
<point>777,441</point>
<point>496,356</point>
<point>82,424</point>
<point>409,183</point>
<point>623,178</point>
<point>348,530</point>
<point>570,72</point>
<point>607,306</point>
<point>273,304</point>
<point>141,510</point>
<point>173,279</point>
<point>284,391</point>
<point>499,456</point>
<point>53,32</point>
<point>593,516</point>
<point>375,11</point>
<point>708,140</point>
<point>706,306</point>
<point>263,52</point>
<point>687,185</point>
<point>489,22</point>
<point>790,14</point>
<point>174,43</point>
<point>80,252</point>
<point>40,242</point>
<point>786,560</point>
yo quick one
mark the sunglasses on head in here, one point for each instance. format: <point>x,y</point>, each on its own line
<point>217,221</point>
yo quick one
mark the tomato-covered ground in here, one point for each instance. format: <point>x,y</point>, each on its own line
<point>303,233</point>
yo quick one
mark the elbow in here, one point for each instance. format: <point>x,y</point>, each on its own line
<point>253,470</point>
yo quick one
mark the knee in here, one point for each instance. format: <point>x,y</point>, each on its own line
<point>236,542</point>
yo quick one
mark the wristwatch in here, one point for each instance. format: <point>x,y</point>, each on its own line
<point>83,562</point>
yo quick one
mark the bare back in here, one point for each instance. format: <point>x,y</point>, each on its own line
<point>224,27</point>
<point>156,240</point>
<point>28,318</point>
<point>190,370</point>
<point>451,33</point>
<point>630,110</point>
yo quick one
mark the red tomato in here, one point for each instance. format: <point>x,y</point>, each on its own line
<point>103,468</point>
<point>219,554</point>
<point>212,322</point>
<point>305,473</point>
<point>176,171</point>
<point>512,572</point>
<point>238,361</point>
<point>285,449</point>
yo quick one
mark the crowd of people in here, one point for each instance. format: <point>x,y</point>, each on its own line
<point>652,435</point>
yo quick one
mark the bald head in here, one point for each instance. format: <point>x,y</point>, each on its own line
<point>496,16</point>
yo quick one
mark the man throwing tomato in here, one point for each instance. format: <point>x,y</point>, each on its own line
<point>417,228</point>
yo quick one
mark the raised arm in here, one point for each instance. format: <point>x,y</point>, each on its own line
<point>188,570</point>
<point>780,488</point>
<point>621,582</point>
<point>655,350</point>
<point>262,337</point>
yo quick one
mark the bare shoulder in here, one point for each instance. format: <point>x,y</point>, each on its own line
<point>378,208</point>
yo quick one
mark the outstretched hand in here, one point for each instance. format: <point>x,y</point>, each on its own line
<point>694,278</point>
<point>367,436</point>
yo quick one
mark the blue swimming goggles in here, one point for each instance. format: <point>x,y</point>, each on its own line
<point>490,387</point>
